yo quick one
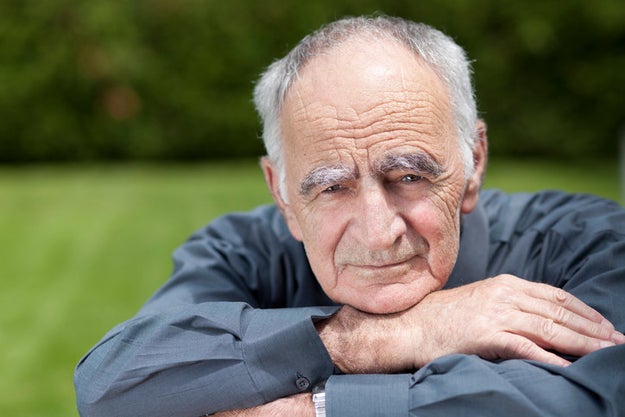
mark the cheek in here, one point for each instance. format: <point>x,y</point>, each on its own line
<point>437,220</point>
<point>434,218</point>
<point>446,202</point>
<point>321,233</point>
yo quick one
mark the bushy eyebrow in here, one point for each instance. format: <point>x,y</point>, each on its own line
<point>325,177</point>
<point>420,163</point>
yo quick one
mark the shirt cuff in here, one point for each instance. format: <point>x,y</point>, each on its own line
<point>284,353</point>
<point>368,395</point>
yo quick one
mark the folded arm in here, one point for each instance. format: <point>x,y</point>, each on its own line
<point>458,338</point>
<point>203,358</point>
<point>469,385</point>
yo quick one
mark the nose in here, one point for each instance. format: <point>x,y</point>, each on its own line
<point>377,222</point>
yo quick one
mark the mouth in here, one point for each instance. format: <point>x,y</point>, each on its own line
<point>382,265</point>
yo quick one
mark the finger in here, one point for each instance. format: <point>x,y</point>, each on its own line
<point>567,310</point>
<point>567,318</point>
<point>548,334</point>
<point>513,346</point>
<point>561,298</point>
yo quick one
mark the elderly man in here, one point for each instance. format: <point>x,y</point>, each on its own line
<point>382,277</point>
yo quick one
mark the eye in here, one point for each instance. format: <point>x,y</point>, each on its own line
<point>332,189</point>
<point>411,178</point>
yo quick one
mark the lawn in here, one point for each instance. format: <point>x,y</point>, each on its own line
<point>84,246</point>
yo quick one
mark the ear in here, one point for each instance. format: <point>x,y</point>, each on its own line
<point>272,179</point>
<point>480,159</point>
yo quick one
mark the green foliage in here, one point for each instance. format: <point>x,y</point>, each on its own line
<point>172,79</point>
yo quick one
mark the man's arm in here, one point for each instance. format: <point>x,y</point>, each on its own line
<point>207,340</point>
<point>201,359</point>
<point>498,318</point>
<point>468,385</point>
<point>148,369</point>
<point>451,384</point>
<point>472,385</point>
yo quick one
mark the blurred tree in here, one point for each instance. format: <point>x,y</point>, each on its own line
<point>172,79</point>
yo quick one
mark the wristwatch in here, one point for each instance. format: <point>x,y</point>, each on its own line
<point>319,399</point>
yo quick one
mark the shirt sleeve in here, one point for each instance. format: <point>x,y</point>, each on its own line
<point>201,359</point>
<point>462,385</point>
<point>207,341</point>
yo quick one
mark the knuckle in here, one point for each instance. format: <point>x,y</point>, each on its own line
<point>503,279</point>
<point>560,315</point>
<point>498,289</point>
<point>548,330</point>
<point>524,349</point>
<point>560,296</point>
<point>515,347</point>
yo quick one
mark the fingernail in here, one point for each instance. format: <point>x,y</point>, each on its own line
<point>606,343</point>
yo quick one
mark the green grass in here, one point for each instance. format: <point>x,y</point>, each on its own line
<point>83,246</point>
<point>596,177</point>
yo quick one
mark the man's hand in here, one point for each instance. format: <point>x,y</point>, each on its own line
<point>508,317</point>
<point>498,318</point>
<point>299,405</point>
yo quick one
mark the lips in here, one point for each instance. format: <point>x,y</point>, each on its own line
<point>381,264</point>
<point>405,252</point>
<point>394,271</point>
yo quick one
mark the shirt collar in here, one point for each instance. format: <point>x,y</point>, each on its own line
<point>473,253</point>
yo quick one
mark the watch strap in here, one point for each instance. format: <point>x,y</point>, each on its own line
<point>319,399</point>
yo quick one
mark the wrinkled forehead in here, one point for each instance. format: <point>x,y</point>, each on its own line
<point>365,89</point>
<point>356,75</point>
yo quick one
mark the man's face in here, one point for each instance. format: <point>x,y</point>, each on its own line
<point>375,181</point>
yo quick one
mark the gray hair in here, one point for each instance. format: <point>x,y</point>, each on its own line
<point>444,56</point>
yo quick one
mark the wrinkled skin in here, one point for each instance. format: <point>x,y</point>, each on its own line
<point>379,235</point>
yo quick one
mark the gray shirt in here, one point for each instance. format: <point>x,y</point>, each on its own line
<point>233,327</point>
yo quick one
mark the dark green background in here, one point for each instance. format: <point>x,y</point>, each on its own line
<point>172,79</point>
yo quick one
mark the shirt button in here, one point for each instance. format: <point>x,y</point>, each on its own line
<point>302,383</point>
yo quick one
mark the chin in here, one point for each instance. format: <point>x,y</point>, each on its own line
<point>384,303</point>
